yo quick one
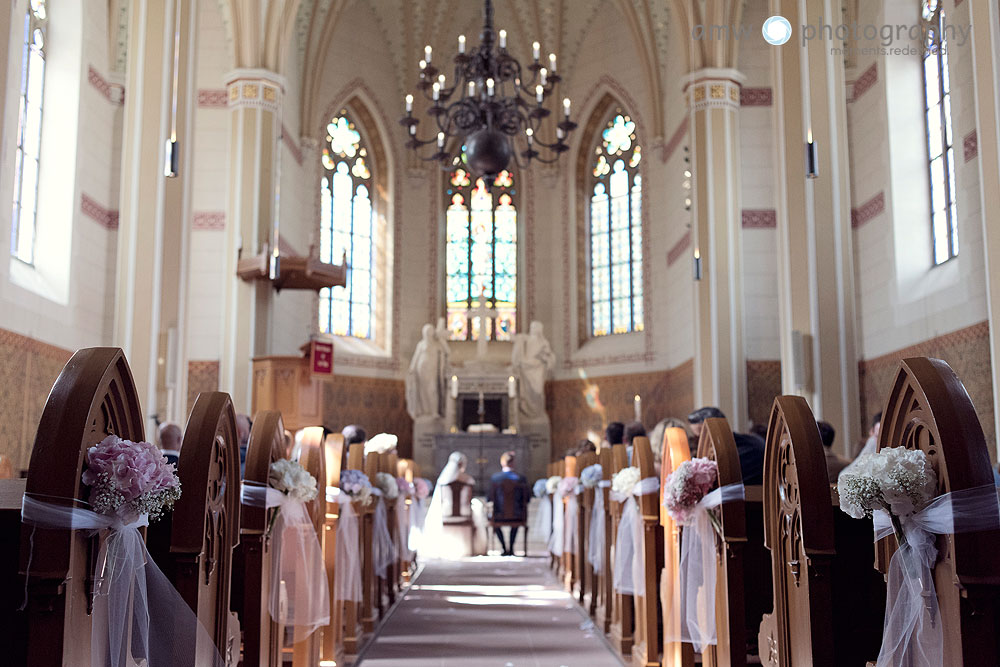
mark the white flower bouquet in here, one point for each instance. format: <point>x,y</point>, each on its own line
<point>356,484</point>
<point>624,481</point>
<point>591,476</point>
<point>292,479</point>
<point>383,443</point>
<point>897,480</point>
<point>386,483</point>
<point>552,484</point>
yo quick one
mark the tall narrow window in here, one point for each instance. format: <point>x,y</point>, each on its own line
<point>29,134</point>
<point>481,253</point>
<point>346,223</point>
<point>616,230</point>
<point>940,152</point>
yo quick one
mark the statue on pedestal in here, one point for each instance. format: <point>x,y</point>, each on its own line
<point>532,359</point>
<point>426,387</point>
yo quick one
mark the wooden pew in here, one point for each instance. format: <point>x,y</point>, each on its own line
<point>623,605</point>
<point>928,408</point>
<point>354,612</point>
<point>204,528</point>
<point>584,570</point>
<point>568,560</point>
<point>406,468</point>
<point>94,396</point>
<point>553,469</point>
<point>826,592</point>
<point>376,610</point>
<point>333,635</point>
<point>262,635</point>
<point>387,464</point>
<point>308,451</point>
<point>646,646</point>
<point>13,624</point>
<point>604,593</point>
<point>675,451</point>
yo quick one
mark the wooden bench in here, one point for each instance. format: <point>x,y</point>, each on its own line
<point>646,644</point>
<point>623,605</point>
<point>584,570</point>
<point>603,589</point>
<point>675,450</point>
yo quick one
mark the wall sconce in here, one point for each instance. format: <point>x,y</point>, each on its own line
<point>171,159</point>
<point>811,169</point>
<point>697,264</point>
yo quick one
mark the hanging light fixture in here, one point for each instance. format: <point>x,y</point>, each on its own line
<point>491,106</point>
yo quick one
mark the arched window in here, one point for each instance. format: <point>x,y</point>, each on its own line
<point>29,134</point>
<point>615,199</point>
<point>481,254</point>
<point>346,230</point>
<point>940,151</point>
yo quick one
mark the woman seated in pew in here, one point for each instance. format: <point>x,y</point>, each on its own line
<point>751,447</point>
<point>446,527</point>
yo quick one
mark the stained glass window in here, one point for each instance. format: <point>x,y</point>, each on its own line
<point>29,133</point>
<point>940,149</point>
<point>346,224</point>
<point>616,230</point>
<point>481,250</point>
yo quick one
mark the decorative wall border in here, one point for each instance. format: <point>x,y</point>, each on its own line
<point>970,145</point>
<point>755,97</point>
<point>213,98</point>
<point>291,144</point>
<point>112,92</point>
<point>868,210</point>
<point>863,83</point>
<point>677,251</point>
<point>107,218</point>
<point>759,218</point>
<point>675,139</point>
<point>208,220</point>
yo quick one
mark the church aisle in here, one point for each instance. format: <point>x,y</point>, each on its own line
<point>488,611</point>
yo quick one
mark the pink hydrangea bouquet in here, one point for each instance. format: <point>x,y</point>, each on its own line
<point>128,479</point>
<point>686,486</point>
<point>405,488</point>
<point>422,487</point>
<point>567,486</point>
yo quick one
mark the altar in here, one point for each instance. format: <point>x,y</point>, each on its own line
<point>483,451</point>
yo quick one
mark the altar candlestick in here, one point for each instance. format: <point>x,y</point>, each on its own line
<point>454,386</point>
<point>511,387</point>
<point>638,408</point>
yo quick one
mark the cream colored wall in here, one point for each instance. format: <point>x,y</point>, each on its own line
<point>67,300</point>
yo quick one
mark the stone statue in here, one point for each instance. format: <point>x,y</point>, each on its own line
<point>425,381</point>
<point>532,359</point>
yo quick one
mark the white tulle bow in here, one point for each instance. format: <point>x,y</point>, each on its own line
<point>912,634</point>
<point>542,528</point>
<point>347,572</point>
<point>138,616</point>
<point>697,571</point>
<point>558,525</point>
<point>403,551</point>
<point>597,536</point>
<point>383,550</point>
<point>630,571</point>
<point>571,529</point>
<point>300,592</point>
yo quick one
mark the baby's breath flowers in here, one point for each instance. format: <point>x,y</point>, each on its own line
<point>128,479</point>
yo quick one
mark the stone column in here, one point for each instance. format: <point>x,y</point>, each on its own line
<point>815,250</point>
<point>985,19</point>
<point>153,230</point>
<point>713,96</point>
<point>255,97</point>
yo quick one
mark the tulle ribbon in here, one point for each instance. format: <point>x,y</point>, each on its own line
<point>572,524</point>
<point>697,571</point>
<point>383,550</point>
<point>630,573</point>
<point>558,525</point>
<point>300,592</point>
<point>912,634</point>
<point>418,513</point>
<point>138,615</point>
<point>347,572</point>
<point>542,528</point>
<point>597,537</point>
<point>403,550</point>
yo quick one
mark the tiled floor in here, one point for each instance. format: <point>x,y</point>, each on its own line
<point>507,612</point>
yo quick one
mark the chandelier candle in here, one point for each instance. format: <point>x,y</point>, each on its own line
<point>488,111</point>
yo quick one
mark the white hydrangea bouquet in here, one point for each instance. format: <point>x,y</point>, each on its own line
<point>623,481</point>
<point>552,484</point>
<point>896,480</point>
<point>591,476</point>
<point>386,483</point>
<point>383,443</point>
<point>293,480</point>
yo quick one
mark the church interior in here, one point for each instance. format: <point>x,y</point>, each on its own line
<point>500,332</point>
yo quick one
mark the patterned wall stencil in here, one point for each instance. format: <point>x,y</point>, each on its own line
<point>202,376</point>
<point>763,384</point>
<point>377,404</point>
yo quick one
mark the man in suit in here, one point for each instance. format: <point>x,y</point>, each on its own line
<point>171,437</point>
<point>834,463</point>
<point>749,446</point>
<point>518,512</point>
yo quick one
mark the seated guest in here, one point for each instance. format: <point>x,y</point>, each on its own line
<point>749,446</point>
<point>759,430</point>
<point>171,437</point>
<point>585,447</point>
<point>834,463</point>
<point>243,425</point>
<point>354,434</point>
<point>614,432</point>
<point>522,496</point>
<point>632,431</point>
<point>872,442</point>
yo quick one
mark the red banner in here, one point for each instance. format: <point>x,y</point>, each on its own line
<point>322,358</point>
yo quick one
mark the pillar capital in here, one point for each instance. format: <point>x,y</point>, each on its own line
<point>713,88</point>
<point>255,88</point>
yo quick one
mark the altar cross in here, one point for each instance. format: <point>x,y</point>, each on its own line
<point>485,315</point>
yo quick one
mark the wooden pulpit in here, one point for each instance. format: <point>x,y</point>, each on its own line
<point>293,385</point>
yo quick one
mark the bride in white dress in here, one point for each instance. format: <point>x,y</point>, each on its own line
<point>436,541</point>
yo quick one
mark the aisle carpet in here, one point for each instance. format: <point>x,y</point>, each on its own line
<point>490,611</point>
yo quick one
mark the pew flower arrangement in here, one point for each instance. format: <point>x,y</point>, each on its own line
<point>357,485</point>
<point>422,487</point>
<point>292,479</point>
<point>386,483</point>
<point>686,486</point>
<point>896,480</point>
<point>383,443</point>
<point>591,476</point>
<point>624,481</point>
<point>552,484</point>
<point>567,486</point>
<point>540,487</point>
<point>128,479</point>
<point>405,488</point>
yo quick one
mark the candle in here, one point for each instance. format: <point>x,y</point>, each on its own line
<point>566,106</point>
<point>489,87</point>
<point>552,62</point>
<point>503,39</point>
<point>461,43</point>
<point>638,408</point>
<point>539,93</point>
<point>472,89</point>
<point>435,90</point>
<point>454,386</point>
<point>423,65</point>
<point>409,103</point>
<point>441,80</point>
<point>427,53</point>
<point>543,74</point>
<point>536,50</point>
<point>511,387</point>
<point>530,134</point>
<point>440,139</point>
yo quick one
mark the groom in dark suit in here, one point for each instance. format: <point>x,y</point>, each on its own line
<point>511,511</point>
